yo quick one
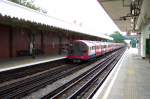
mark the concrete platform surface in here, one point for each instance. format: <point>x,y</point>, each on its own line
<point>130,79</point>
<point>26,61</point>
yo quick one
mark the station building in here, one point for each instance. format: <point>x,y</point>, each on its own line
<point>22,28</point>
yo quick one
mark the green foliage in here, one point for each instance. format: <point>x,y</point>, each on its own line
<point>16,1</point>
<point>118,37</point>
<point>29,4</point>
<point>133,42</point>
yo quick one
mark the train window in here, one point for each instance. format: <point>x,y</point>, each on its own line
<point>89,48</point>
<point>103,46</point>
<point>93,47</point>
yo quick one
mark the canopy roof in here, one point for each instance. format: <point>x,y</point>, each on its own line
<point>123,12</point>
<point>15,11</point>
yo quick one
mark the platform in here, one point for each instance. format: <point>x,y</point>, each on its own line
<point>27,61</point>
<point>130,79</point>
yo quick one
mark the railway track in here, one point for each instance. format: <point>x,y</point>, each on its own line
<point>86,85</point>
<point>28,84</point>
<point>36,81</point>
<point>29,70</point>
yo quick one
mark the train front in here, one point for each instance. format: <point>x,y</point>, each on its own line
<point>78,51</point>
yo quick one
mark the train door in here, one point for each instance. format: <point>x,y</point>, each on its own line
<point>92,47</point>
<point>100,49</point>
<point>97,49</point>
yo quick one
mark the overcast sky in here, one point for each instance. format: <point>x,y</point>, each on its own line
<point>87,13</point>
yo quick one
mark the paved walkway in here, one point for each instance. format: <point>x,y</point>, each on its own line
<point>27,61</point>
<point>132,80</point>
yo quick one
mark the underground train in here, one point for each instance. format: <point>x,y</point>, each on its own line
<point>82,50</point>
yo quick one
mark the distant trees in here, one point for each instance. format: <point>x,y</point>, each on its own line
<point>118,37</point>
<point>29,4</point>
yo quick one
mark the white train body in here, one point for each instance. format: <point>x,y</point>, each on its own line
<point>85,50</point>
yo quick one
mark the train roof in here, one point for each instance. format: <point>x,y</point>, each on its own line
<point>88,43</point>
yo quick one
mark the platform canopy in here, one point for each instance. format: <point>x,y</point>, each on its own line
<point>123,12</point>
<point>21,13</point>
<point>144,17</point>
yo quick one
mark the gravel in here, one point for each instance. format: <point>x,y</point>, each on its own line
<point>49,88</point>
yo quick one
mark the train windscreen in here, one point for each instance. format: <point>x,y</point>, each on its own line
<point>77,49</point>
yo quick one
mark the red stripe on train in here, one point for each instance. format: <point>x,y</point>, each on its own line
<point>79,57</point>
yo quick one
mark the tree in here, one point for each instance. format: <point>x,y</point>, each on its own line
<point>133,42</point>
<point>29,4</point>
<point>118,37</point>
